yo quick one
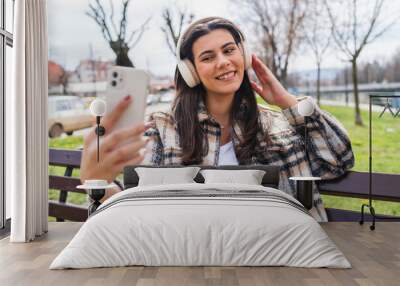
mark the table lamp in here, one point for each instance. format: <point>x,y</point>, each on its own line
<point>304,191</point>
<point>96,189</point>
<point>98,108</point>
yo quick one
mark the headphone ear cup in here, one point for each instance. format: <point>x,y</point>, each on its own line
<point>188,72</point>
<point>246,55</point>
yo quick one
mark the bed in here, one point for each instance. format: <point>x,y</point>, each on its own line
<point>201,224</point>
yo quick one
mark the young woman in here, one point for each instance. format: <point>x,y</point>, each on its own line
<point>215,119</point>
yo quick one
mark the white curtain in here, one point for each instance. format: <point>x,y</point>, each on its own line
<point>26,120</point>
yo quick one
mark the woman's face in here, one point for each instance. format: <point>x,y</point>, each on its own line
<point>219,62</point>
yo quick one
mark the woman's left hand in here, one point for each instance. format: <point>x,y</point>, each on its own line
<point>270,89</point>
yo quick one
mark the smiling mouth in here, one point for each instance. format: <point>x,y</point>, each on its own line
<point>227,76</point>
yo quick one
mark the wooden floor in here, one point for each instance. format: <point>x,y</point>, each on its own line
<point>375,256</point>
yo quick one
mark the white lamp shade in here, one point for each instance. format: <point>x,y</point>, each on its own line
<point>98,107</point>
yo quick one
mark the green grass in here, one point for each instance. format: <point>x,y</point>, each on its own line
<point>381,207</point>
<point>385,144</point>
<point>69,142</point>
<point>386,158</point>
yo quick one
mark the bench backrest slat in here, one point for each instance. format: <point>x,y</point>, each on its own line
<point>356,184</point>
<point>65,183</point>
<point>65,158</point>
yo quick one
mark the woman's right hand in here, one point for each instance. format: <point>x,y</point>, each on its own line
<point>117,148</point>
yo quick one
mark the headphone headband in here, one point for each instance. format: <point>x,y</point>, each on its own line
<point>204,21</point>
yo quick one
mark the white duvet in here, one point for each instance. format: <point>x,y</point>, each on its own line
<point>235,228</point>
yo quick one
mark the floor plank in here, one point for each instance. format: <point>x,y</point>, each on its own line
<point>374,255</point>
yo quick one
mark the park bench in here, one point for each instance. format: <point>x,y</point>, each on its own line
<point>61,209</point>
<point>353,184</point>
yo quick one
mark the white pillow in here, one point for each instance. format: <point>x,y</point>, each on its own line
<point>164,176</point>
<point>249,177</point>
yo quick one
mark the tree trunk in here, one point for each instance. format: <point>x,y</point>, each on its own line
<point>282,78</point>
<point>358,119</point>
<point>121,50</point>
<point>123,59</point>
<point>318,83</point>
<point>346,82</point>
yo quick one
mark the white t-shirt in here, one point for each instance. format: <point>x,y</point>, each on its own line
<point>227,155</point>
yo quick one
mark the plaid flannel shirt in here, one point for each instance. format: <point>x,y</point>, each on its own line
<point>328,146</point>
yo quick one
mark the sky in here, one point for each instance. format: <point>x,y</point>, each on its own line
<point>72,33</point>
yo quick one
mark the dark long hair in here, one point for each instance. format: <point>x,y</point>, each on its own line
<point>244,111</point>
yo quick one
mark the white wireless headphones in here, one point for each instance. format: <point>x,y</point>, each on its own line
<point>185,66</point>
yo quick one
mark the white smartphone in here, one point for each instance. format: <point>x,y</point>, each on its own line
<point>123,81</point>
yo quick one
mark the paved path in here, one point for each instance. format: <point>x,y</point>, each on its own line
<point>363,106</point>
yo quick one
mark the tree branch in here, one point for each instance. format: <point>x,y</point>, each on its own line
<point>173,31</point>
<point>123,23</point>
<point>112,17</point>
<point>141,30</point>
<point>97,16</point>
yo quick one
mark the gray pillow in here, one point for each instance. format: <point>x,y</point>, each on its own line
<point>163,176</point>
<point>249,177</point>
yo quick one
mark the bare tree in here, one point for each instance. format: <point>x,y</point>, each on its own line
<point>117,37</point>
<point>317,36</point>
<point>392,69</point>
<point>353,30</point>
<point>173,27</point>
<point>281,24</point>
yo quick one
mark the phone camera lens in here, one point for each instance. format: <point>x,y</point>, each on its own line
<point>114,74</point>
<point>114,83</point>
